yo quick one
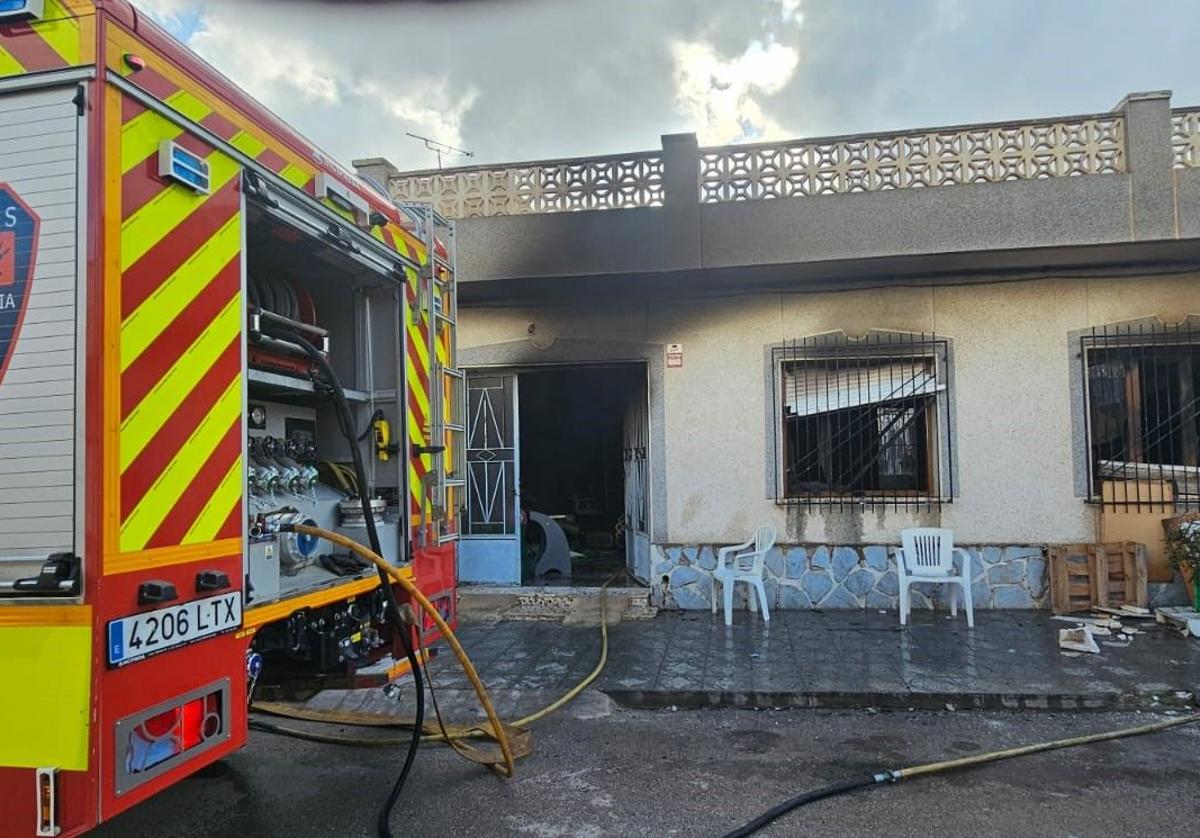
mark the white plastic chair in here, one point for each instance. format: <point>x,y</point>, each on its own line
<point>734,565</point>
<point>928,557</point>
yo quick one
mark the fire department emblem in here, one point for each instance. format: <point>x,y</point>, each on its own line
<point>18,248</point>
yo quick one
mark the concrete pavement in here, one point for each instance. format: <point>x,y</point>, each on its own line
<point>606,765</point>
<point>598,770</point>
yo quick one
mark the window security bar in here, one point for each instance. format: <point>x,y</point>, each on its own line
<point>1143,415</point>
<point>863,421</point>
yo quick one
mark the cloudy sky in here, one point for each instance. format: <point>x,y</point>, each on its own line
<point>529,79</point>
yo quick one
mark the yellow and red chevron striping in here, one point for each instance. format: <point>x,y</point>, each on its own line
<point>61,38</point>
<point>180,92</point>
<point>156,360</point>
<point>218,123</point>
<point>180,364</point>
<point>142,278</point>
<point>400,240</point>
<point>420,370</point>
<point>417,370</point>
<point>141,473</point>
<point>185,522</point>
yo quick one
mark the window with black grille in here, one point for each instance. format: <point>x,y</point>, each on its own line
<point>1143,423</point>
<point>863,421</point>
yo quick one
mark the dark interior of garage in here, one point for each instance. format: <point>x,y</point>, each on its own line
<point>572,464</point>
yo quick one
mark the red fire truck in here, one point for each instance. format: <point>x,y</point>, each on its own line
<point>171,257</point>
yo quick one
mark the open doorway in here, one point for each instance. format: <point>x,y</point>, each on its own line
<point>557,474</point>
<point>572,456</point>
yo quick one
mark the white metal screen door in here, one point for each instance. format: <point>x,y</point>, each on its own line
<point>637,496</point>
<point>490,550</point>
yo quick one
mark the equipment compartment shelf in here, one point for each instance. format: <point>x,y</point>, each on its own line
<point>275,385</point>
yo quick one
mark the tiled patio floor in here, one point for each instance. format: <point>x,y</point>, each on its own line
<point>1010,658</point>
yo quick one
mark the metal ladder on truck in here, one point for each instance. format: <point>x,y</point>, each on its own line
<point>437,305</point>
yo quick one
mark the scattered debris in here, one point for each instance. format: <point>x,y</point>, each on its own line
<point>1134,611</point>
<point>1104,623</point>
<point>950,707</point>
<point>1088,621</point>
<point>1185,620</point>
<point>1077,640</point>
<point>1071,654</point>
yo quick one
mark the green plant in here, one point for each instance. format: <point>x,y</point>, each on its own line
<point>1183,552</point>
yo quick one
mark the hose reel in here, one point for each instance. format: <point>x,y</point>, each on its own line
<point>296,550</point>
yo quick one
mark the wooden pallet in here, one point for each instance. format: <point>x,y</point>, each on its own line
<point>1084,576</point>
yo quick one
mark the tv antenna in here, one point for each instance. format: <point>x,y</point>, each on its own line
<point>440,148</point>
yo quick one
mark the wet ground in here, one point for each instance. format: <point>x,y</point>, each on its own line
<point>598,770</point>
<point>588,568</point>
<point>1010,659</point>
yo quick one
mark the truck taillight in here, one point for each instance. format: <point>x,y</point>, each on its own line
<point>47,801</point>
<point>157,739</point>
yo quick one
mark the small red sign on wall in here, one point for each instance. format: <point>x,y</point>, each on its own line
<point>674,354</point>
<point>8,257</point>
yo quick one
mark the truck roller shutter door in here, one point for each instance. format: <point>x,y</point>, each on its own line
<point>41,132</point>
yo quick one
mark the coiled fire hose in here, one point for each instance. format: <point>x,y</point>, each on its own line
<point>449,733</point>
<point>494,729</point>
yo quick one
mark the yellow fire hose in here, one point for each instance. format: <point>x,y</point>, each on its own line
<point>511,736</point>
<point>501,733</point>
<point>494,729</point>
<point>899,774</point>
<point>1039,747</point>
<point>454,731</point>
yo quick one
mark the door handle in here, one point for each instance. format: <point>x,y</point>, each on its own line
<point>211,580</point>
<point>156,591</point>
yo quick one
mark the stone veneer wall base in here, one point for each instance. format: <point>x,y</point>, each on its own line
<point>818,576</point>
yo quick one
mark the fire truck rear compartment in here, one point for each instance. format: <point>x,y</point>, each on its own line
<point>297,456</point>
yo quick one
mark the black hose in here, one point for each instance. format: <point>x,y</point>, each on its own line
<point>931,768</point>
<point>378,414</point>
<point>346,423</point>
<point>800,800</point>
